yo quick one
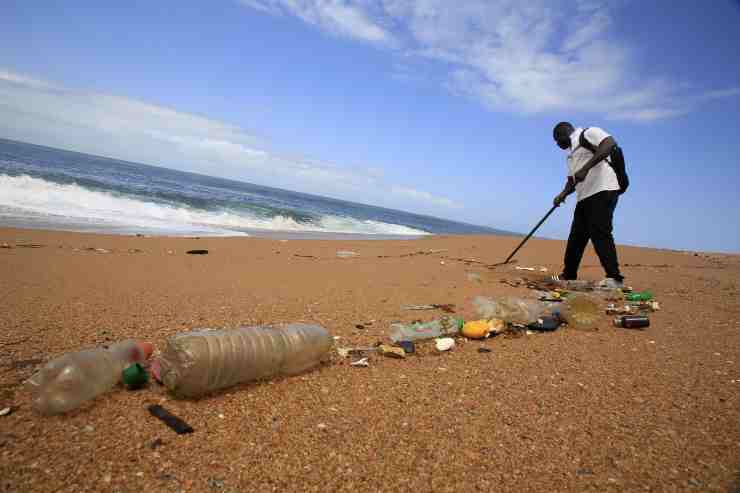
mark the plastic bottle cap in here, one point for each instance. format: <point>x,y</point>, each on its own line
<point>134,376</point>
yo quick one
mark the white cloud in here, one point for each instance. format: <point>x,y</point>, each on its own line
<point>38,111</point>
<point>334,16</point>
<point>527,57</point>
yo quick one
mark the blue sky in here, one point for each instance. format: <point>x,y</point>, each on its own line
<point>431,106</point>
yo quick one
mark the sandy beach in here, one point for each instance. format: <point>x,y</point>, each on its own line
<point>608,410</point>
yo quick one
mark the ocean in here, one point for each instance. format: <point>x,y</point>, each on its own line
<point>47,188</point>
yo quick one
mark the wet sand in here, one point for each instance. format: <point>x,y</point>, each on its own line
<point>610,410</point>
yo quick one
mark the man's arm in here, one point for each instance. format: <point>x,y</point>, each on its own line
<point>602,152</point>
<point>570,187</point>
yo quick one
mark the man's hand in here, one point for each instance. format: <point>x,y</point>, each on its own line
<point>559,199</point>
<point>581,174</point>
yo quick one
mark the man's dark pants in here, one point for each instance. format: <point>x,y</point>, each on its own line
<point>592,220</point>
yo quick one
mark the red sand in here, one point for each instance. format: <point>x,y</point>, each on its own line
<point>611,410</point>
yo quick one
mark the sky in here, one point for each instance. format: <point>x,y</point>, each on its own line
<point>429,106</point>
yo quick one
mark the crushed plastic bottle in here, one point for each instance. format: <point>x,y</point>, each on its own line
<point>581,312</point>
<point>510,309</point>
<point>196,363</point>
<point>445,326</point>
<point>69,380</point>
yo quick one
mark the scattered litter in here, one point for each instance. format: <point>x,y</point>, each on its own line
<point>88,429</point>
<point>344,352</point>
<point>28,245</point>
<point>135,377</point>
<point>360,362</point>
<point>197,252</point>
<point>447,307</point>
<point>473,276</point>
<point>321,426</point>
<point>5,245</point>
<point>199,362</point>
<point>632,322</point>
<point>392,352</point>
<point>484,350</point>
<point>155,368</point>
<point>546,323</point>
<point>445,326</point>
<point>444,343</point>
<point>407,346</point>
<point>6,411</point>
<point>543,269</point>
<point>581,312</point>
<point>135,250</point>
<point>441,262</point>
<point>510,309</point>
<point>476,329</point>
<point>66,382</point>
<point>524,268</point>
<point>639,296</point>
<point>179,426</point>
<point>304,256</point>
<point>346,254</point>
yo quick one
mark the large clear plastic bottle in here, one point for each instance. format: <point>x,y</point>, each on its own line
<point>445,326</point>
<point>68,381</point>
<point>510,309</point>
<point>199,362</point>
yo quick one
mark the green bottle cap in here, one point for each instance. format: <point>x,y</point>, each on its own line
<point>135,376</point>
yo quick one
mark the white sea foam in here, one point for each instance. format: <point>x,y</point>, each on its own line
<point>26,196</point>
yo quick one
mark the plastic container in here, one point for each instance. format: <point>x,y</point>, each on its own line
<point>196,363</point>
<point>510,309</point>
<point>68,381</point>
<point>445,326</point>
<point>581,312</point>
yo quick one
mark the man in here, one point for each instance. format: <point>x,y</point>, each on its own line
<point>597,189</point>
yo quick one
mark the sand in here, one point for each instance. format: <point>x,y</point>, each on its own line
<point>609,410</point>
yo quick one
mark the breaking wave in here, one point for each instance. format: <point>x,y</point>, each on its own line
<point>28,197</point>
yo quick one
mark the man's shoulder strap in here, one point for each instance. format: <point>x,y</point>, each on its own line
<point>583,142</point>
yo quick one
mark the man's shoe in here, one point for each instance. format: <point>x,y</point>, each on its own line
<point>611,283</point>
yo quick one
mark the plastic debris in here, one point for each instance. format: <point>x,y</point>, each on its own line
<point>346,351</point>
<point>6,411</point>
<point>360,362</point>
<point>476,329</point>
<point>484,350</point>
<point>197,252</point>
<point>444,343</point>
<point>639,296</point>
<point>68,381</point>
<point>426,330</point>
<point>196,363</point>
<point>407,346</point>
<point>346,254</point>
<point>447,307</point>
<point>134,377</point>
<point>179,426</point>
<point>546,323</point>
<point>392,352</point>
<point>581,312</point>
<point>510,309</point>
